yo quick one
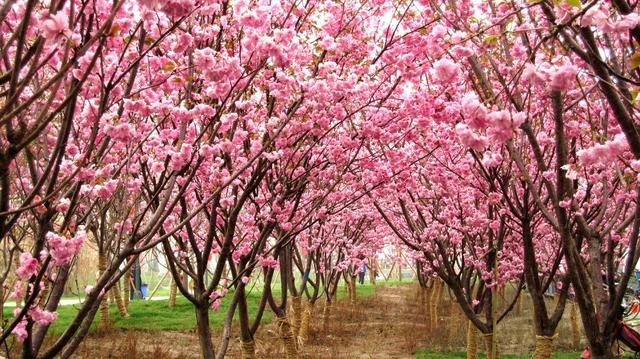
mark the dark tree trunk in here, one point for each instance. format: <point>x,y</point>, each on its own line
<point>204,331</point>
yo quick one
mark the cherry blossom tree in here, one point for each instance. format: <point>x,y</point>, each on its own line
<point>67,66</point>
<point>495,143</point>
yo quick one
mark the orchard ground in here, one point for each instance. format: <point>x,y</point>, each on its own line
<point>390,320</point>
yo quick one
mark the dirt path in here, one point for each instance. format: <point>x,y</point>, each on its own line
<point>396,322</point>
<point>387,325</point>
<point>393,323</point>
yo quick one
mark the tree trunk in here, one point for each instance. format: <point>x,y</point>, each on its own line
<point>127,287</point>
<point>433,304</point>
<point>112,295</point>
<point>347,288</point>
<point>184,278</point>
<point>326,313</point>
<point>173,289</point>
<point>601,351</point>
<point>472,341</point>
<point>488,344</point>
<point>1,304</point>
<point>544,347</point>
<point>247,344</point>
<point>595,271</point>
<point>122,308</point>
<point>57,291</point>
<point>248,349</point>
<point>104,301</point>
<point>288,340</point>
<point>296,315</point>
<point>353,290</point>
<point>306,321</point>
<point>204,332</point>
<point>75,341</point>
<point>45,291</point>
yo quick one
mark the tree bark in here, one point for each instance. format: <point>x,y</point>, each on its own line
<point>104,301</point>
<point>52,305</point>
<point>544,347</point>
<point>122,308</point>
<point>472,341</point>
<point>173,289</point>
<point>306,321</point>
<point>127,287</point>
<point>326,313</point>
<point>352,284</point>
<point>248,349</point>
<point>296,314</point>
<point>489,344</point>
<point>288,340</point>
<point>204,331</point>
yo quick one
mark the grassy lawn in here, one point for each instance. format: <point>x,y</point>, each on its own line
<point>427,354</point>
<point>157,315</point>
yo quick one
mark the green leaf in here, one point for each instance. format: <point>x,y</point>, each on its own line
<point>149,41</point>
<point>168,66</point>
<point>634,95</point>
<point>574,3</point>
<point>491,39</point>
<point>635,60</point>
<point>115,30</point>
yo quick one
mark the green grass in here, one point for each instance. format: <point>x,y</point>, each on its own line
<point>157,315</point>
<point>427,354</point>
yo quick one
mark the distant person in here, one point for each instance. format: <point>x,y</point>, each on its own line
<point>363,271</point>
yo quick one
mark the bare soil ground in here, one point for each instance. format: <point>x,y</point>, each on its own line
<point>397,321</point>
<point>391,324</point>
<point>387,325</point>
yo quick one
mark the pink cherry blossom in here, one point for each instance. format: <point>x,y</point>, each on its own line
<point>42,317</point>
<point>18,291</point>
<point>28,266</point>
<point>63,205</point>
<point>56,24</point>
<point>563,78</point>
<point>63,249</point>
<point>20,330</point>
<point>445,71</point>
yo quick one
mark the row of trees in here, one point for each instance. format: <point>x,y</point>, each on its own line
<point>495,141</point>
<point>217,131</point>
<point>541,96</point>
